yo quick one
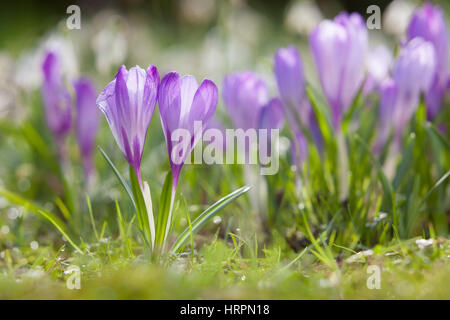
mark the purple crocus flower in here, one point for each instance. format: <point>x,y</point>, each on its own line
<point>413,74</point>
<point>338,48</point>
<point>182,102</point>
<point>56,99</point>
<point>245,94</point>
<point>128,103</point>
<point>428,23</point>
<point>291,85</point>
<point>87,121</point>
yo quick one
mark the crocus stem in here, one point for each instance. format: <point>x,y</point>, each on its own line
<point>169,219</point>
<point>342,166</point>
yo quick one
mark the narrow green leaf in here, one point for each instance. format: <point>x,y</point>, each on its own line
<point>54,220</point>
<point>164,208</point>
<point>436,185</point>
<point>91,215</point>
<point>116,172</point>
<point>141,210</point>
<point>385,184</point>
<point>206,215</point>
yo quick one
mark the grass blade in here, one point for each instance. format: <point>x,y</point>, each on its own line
<point>206,215</point>
<point>54,220</point>
<point>116,172</point>
<point>164,208</point>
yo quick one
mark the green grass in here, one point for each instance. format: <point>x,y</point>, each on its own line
<point>220,272</point>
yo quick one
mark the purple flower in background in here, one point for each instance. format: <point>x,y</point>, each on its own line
<point>128,103</point>
<point>387,105</point>
<point>245,94</point>
<point>271,116</point>
<point>56,99</point>
<point>428,23</point>
<point>413,74</point>
<point>87,121</point>
<point>338,48</point>
<point>181,103</point>
<point>291,85</point>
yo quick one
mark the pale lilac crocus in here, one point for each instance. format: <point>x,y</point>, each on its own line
<point>288,67</point>
<point>56,100</point>
<point>245,94</point>
<point>413,74</point>
<point>428,22</point>
<point>87,121</point>
<point>182,102</point>
<point>128,103</point>
<point>339,48</point>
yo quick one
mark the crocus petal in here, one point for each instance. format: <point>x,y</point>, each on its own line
<point>204,102</point>
<point>170,102</point>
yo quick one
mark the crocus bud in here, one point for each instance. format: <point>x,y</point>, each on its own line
<point>413,74</point>
<point>128,103</point>
<point>291,85</point>
<point>56,99</point>
<point>428,23</point>
<point>87,121</point>
<point>338,48</point>
<point>182,103</point>
<point>386,109</point>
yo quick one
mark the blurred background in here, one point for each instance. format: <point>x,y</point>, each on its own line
<point>206,38</point>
